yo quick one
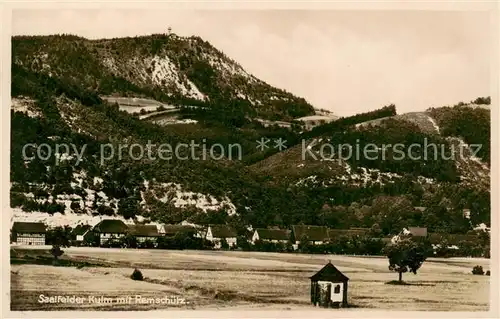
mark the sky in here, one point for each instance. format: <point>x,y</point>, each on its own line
<point>344,61</point>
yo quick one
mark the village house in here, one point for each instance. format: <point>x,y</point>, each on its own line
<point>329,287</point>
<point>310,122</point>
<point>145,233</point>
<point>172,230</point>
<point>316,235</point>
<point>216,233</point>
<point>418,231</point>
<point>79,232</point>
<point>268,123</point>
<point>28,233</point>
<point>110,229</point>
<point>271,235</point>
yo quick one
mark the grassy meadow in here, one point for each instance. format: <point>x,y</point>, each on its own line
<point>229,280</point>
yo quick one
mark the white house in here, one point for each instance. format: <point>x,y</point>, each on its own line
<point>110,229</point>
<point>312,121</point>
<point>216,233</point>
<point>315,235</point>
<point>79,232</point>
<point>145,232</point>
<point>267,123</point>
<point>271,235</point>
<point>28,233</point>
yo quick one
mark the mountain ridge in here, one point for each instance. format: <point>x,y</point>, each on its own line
<point>160,66</point>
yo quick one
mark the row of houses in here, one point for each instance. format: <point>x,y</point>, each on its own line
<point>29,233</point>
<point>315,235</point>
<point>113,229</point>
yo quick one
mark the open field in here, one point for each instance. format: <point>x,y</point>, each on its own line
<point>243,280</point>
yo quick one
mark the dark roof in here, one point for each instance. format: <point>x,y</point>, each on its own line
<point>31,228</point>
<point>111,226</point>
<point>273,234</point>
<point>329,273</point>
<point>332,233</point>
<point>314,233</point>
<point>174,229</point>
<point>418,231</point>
<point>144,230</point>
<point>222,231</point>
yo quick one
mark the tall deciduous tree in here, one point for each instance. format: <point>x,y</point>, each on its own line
<point>56,251</point>
<point>406,255</point>
<point>60,236</point>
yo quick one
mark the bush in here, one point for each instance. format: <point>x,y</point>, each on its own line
<point>486,253</point>
<point>243,243</point>
<point>147,244</point>
<point>487,273</point>
<point>56,251</point>
<point>477,270</point>
<point>224,244</point>
<point>137,275</point>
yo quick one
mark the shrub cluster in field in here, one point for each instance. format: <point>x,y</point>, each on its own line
<point>478,270</point>
<point>137,275</point>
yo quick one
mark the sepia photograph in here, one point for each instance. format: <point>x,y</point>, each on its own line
<point>323,161</point>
